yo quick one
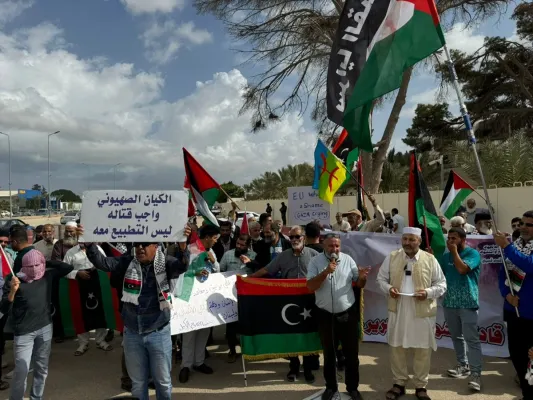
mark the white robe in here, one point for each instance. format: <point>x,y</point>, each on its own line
<point>404,329</point>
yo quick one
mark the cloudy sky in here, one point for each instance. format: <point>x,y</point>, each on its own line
<point>132,82</point>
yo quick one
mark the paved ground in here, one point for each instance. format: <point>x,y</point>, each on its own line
<point>96,376</point>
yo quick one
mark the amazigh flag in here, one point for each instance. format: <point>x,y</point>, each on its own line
<point>85,305</point>
<point>422,213</point>
<point>376,41</point>
<point>330,173</point>
<point>204,189</point>
<point>277,318</point>
<point>455,192</point>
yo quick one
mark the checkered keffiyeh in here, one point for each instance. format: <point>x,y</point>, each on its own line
<point>33,266</point>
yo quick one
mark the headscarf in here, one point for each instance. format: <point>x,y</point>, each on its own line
<point>33,266</point>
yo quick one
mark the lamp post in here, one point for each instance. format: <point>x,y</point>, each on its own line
<point>440,161</point>
<point>49,188</point>
<point>9,173</point>
<point>115,176</point>
<point>88,175</point>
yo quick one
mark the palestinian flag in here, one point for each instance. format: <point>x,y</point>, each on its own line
<point>422,213</point>
<point>455,192</point>
<point>203,189</point>
<point>277,318</point>
<point>6,268</point>
<point>376,42</point>
<point>191,210</point>
<point>85,305</point>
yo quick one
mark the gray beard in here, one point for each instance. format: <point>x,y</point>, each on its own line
<point>70,241</point>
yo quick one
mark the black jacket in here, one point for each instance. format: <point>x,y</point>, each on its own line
<point>262,249</point>
<point>218,248</point>
<point>30,310</point>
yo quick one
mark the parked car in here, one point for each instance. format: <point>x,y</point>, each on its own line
<point>5,214</point>
<point>240,216</point>
<point>70,216</point>
<point>6,223</point>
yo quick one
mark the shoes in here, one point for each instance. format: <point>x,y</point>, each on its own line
<point>110,335</point>
<point>355,395</point>
<point>309,377</point>
<point>475,382</point>
<point>232,357</point>
<point>126,385</point>
<point>329,394</point>
<point>204,369</point>
<point>460,371</point>
<point>4,385</point>
<point>184,375</point>
<point>292,376</point>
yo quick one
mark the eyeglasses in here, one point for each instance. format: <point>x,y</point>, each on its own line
<point>332,236</point>
<point>291,237</point>
<point>143,244</point>
<point>522,223</point>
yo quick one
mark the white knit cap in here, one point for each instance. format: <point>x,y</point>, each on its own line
<point>408,230</point>
<point>71,223</point>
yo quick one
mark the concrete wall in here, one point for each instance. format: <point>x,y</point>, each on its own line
<point>508,203</point>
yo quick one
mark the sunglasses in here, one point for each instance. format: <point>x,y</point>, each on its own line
<point>142,244</point>
<point>529,225</point>
<point>332,236</point>
<point>291,237</point>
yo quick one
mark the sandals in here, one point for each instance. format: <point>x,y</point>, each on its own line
<point>104,346</point>
<point>396,392</point>
<point>81,350</point>
<point>422,394</point>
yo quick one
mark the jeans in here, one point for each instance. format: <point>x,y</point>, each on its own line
<point>36,347</point>
<point>149,353</point>
<point>329,328</point>
<point>462,324</point>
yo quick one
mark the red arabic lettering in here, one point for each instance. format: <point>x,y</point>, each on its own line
<point>376,327</point>
<point>442,331</point>
<point>495,334</point>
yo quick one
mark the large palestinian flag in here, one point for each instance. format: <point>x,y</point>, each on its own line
<point>85,305</point>
<point>203,188</point>
<point>277,318</point>
<point>422,213</point>
<point>376,42</point>
<point>455,192</point>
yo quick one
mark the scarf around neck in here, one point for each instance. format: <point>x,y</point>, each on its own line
<point>516,275</point>
<point>134,277</point>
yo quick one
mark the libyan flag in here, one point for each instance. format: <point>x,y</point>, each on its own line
<point>85,305</point>
<point>204,190</point>
<point>422,213</point>
<point>455,192</point>
<point>376,42</point>
<point>277,318</point>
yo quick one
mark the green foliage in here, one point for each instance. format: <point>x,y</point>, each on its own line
<point>38,187</point>
<point>274,184</point>
<point>67,196</point>
<point>233,190</point>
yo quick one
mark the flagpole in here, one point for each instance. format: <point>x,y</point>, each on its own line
<point>472,141</point>
<point>228,196</point>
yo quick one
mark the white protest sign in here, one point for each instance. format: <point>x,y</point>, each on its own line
<point>212,302</point>
<point>305,206</point>
<point>134,216</point>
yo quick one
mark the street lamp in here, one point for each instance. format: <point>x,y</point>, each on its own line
<point>88,175</point>
<point>115,176</point>
<point>440,161</point>
<point>49,188</point>
<point>9,177</point>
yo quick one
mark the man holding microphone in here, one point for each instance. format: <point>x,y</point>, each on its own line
<point>330,276</point>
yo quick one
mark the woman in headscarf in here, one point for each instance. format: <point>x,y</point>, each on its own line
<point>27,295</point>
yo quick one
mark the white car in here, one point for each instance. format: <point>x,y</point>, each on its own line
<point>70,216</point>
<point>249,214</point>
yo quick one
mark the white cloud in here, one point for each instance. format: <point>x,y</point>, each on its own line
<point>137,7</point>
<point>162,41</point>
<point>10,9</point>
<point>111,113</point>
<point>464,38</point>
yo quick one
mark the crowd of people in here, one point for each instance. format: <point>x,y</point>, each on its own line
<point>145,274</point>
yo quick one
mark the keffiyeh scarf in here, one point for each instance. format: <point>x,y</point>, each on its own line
<point>133,282</point>
<point>516,275</point>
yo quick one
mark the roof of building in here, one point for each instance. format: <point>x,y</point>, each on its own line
<point>5,193</point>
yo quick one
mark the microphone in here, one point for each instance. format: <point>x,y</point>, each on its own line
<point>334,257</point>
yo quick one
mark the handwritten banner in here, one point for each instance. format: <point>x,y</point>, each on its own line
<point>212,302</point>
<point>134,216</point>
<point>305,206</point>
<point>370,249</point>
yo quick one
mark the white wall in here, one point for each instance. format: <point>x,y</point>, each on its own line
<point>508,203</point>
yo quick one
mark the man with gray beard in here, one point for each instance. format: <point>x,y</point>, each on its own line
<point>70,239</point>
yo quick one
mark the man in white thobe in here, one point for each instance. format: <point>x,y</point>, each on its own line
<point>413,281</point>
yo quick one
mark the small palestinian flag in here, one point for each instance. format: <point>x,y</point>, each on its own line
<point>6,268</point>
<point>277,318</point>
<point>422,213</point>
<point>203,188</point>
<point>376,42</point>
<point>455,192</point>
<point>89,304</point>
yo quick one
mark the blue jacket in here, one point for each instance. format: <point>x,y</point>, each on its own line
<point>525,263</point>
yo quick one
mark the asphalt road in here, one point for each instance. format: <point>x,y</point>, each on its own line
<point>96,376</point>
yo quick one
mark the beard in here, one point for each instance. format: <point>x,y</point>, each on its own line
<point>70,241</point>
<point>298,246</point>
